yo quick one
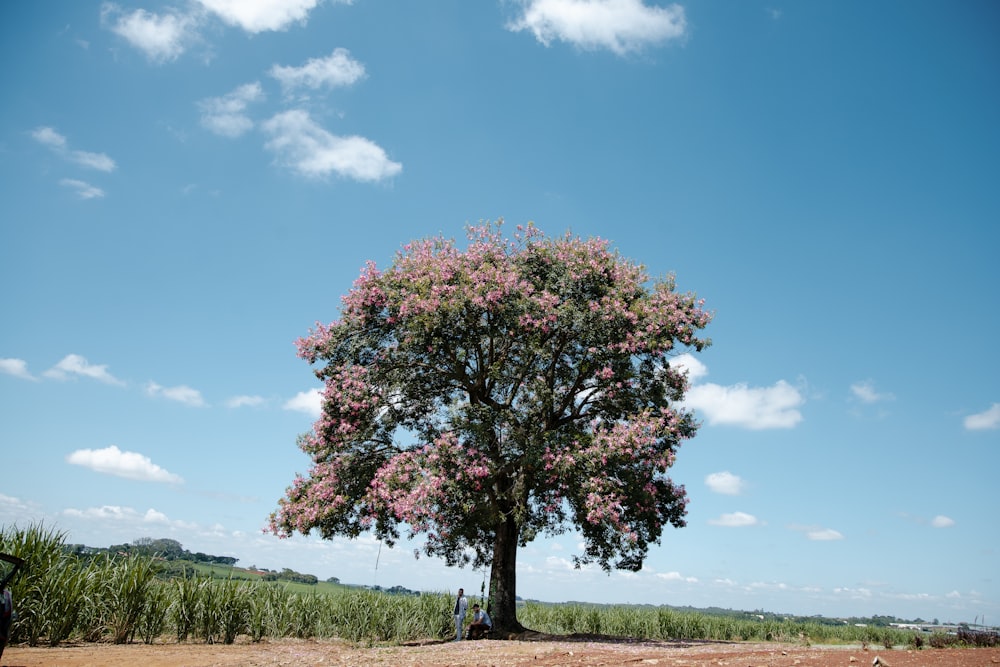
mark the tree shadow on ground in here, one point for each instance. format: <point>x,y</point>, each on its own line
<point>534,636</point>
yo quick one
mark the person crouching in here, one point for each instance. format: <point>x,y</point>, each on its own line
<point>481,623</point>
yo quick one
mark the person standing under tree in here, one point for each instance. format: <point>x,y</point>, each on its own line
<point>461,606</point>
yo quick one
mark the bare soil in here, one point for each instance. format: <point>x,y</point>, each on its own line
<point>537,652</point>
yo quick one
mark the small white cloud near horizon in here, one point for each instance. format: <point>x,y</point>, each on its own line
<point>336,69</point>
<point>16,367</point>
<point>161,37</point>
<point>620,26</point>
<point>226,115</point>
<point>309,402</point>
<point>58,144</point>
<point>735,520</point>
<point>120,514</point>
<point>82,189</point>
<point>244,401</point>
<point>824,535</point>
<point>181,394</point>
<point>865,392</point>
<point>301,144</point>
<point>675,576</point>
<point>256,16</point>
<point>725,483</point>
<point>76,365</point>
<point>130,465</point>
<point>941,521</point>
<point>985,420</point>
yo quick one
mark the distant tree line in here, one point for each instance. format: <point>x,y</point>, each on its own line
<point>162,548</point>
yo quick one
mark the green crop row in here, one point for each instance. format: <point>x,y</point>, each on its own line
<point>120,599</point>
<point>663,623</point>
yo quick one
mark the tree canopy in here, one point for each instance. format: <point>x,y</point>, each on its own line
<point>487,395</point>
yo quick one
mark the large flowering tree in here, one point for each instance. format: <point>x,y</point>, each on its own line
<point>484,396</point>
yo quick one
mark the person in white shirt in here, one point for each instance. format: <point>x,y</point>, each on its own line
<point>461,606</point>
<point>481,623</point>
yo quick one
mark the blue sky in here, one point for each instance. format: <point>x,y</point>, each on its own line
<point>187,187</point>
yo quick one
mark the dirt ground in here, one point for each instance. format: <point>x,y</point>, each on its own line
<point>289,653</point>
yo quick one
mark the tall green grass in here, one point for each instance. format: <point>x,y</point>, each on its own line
<point>120,599</point>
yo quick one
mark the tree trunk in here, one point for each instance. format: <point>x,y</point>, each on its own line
<point>503,578</point>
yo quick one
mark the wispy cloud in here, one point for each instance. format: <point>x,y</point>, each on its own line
<point>866,393</point>
<point>181,394</point>
<point>725,483</point>
<point>301,144</point>
<point>16,367</point>
<point>130,465</point>
<point>56,142</point>
<point>226,115</point>
<point>735,520</point>
<point>82,189</point>
<point>127,515</point>
<point>309,402</point>
<point>244,401</point>
<point>824,535</point>
<point>621,26</point>
<point>162,37</point>
<point>941,521</point>
<point>985,420</point>
<point>336,69</point>
<point>676,576</point>
<point>74,365</point>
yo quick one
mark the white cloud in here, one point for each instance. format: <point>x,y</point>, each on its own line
<point>824,535</point>
<point>74,364</point>
<point>155,516</point>
<point>181,394</point>
<point>735,520</point>
<point>337,69</point>
<point>225,115</point>
<point>119,514</point>
<point>260,15</point>
<point>244,401</point>
<point>750,407</point>
<point>309,402</point>
<point>941,521</point>
<point>130,465</point>
<point>83,189</point>
<point>48,136</point>
<point>688,362</point>
<point>725,482</point>
<point>98,161</point>
<point>162,37</point>
<point>10,504</point>
<point>620,26</point>
<point>865,392</point>
<point>304,146</point>
<point>676,576</point>
<point>988,419</point>
<point>739,404</point>
<point>16,367</point>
